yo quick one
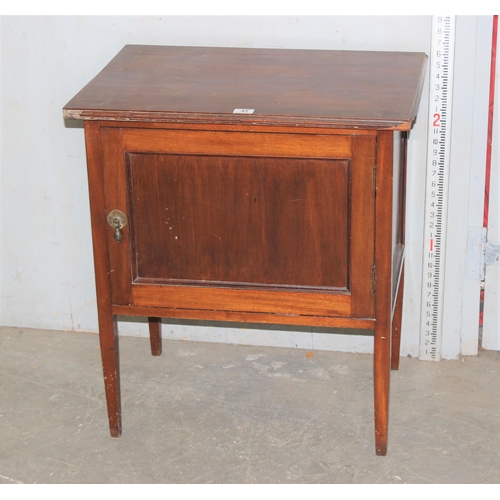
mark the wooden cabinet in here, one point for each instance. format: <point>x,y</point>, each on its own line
<point>250,185</point>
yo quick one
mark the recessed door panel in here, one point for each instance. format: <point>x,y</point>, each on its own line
<point>239,221</point>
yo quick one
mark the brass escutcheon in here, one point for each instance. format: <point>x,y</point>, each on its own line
<point>117,220</point>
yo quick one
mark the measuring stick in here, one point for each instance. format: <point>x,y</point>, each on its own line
<point>436,194</point>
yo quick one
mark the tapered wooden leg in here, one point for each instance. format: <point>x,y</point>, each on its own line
<point>108,331</point>
<point>108,335</point>
<point>155,335</point>
<point>381,380</point>
<point>396,323</point>
<point>383,288</point>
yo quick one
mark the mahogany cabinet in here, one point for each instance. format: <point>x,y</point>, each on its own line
<point>250,185</point>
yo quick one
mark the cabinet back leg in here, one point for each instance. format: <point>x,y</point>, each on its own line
<point>396,323</point>
<point>155,335</point>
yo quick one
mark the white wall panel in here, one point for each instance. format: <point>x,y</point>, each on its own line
<point>46,257</point>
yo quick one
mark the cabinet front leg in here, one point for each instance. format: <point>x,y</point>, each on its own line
<point>381,379</point>
<point>155,335</point>
<point>383,287</point>
<point>108,335</point>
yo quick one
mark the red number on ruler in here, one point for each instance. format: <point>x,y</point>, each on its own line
<point>437,117</point>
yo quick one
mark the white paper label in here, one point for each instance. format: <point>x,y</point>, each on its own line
<point>243,111</point>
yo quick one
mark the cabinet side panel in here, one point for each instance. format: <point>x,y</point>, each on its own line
<point>399,206</point>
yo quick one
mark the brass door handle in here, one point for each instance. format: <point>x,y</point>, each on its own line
<point>117,220</point>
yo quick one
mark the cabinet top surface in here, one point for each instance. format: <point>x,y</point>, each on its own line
<point>338,89</point>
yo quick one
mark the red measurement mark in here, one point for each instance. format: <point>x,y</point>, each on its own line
<point>431,245</point>
<point>436,117</point>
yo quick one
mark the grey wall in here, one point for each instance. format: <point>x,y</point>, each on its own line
<point>46,255</point>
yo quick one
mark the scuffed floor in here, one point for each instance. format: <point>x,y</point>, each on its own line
<point>214,413</point>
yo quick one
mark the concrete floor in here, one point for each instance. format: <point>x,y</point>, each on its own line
<point>213,413</point>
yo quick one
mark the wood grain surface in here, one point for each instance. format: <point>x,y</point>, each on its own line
<point>282,86</point>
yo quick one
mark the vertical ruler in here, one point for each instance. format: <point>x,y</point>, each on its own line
<point>436,194</point>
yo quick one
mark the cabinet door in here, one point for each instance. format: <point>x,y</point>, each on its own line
<point>236,221</point>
